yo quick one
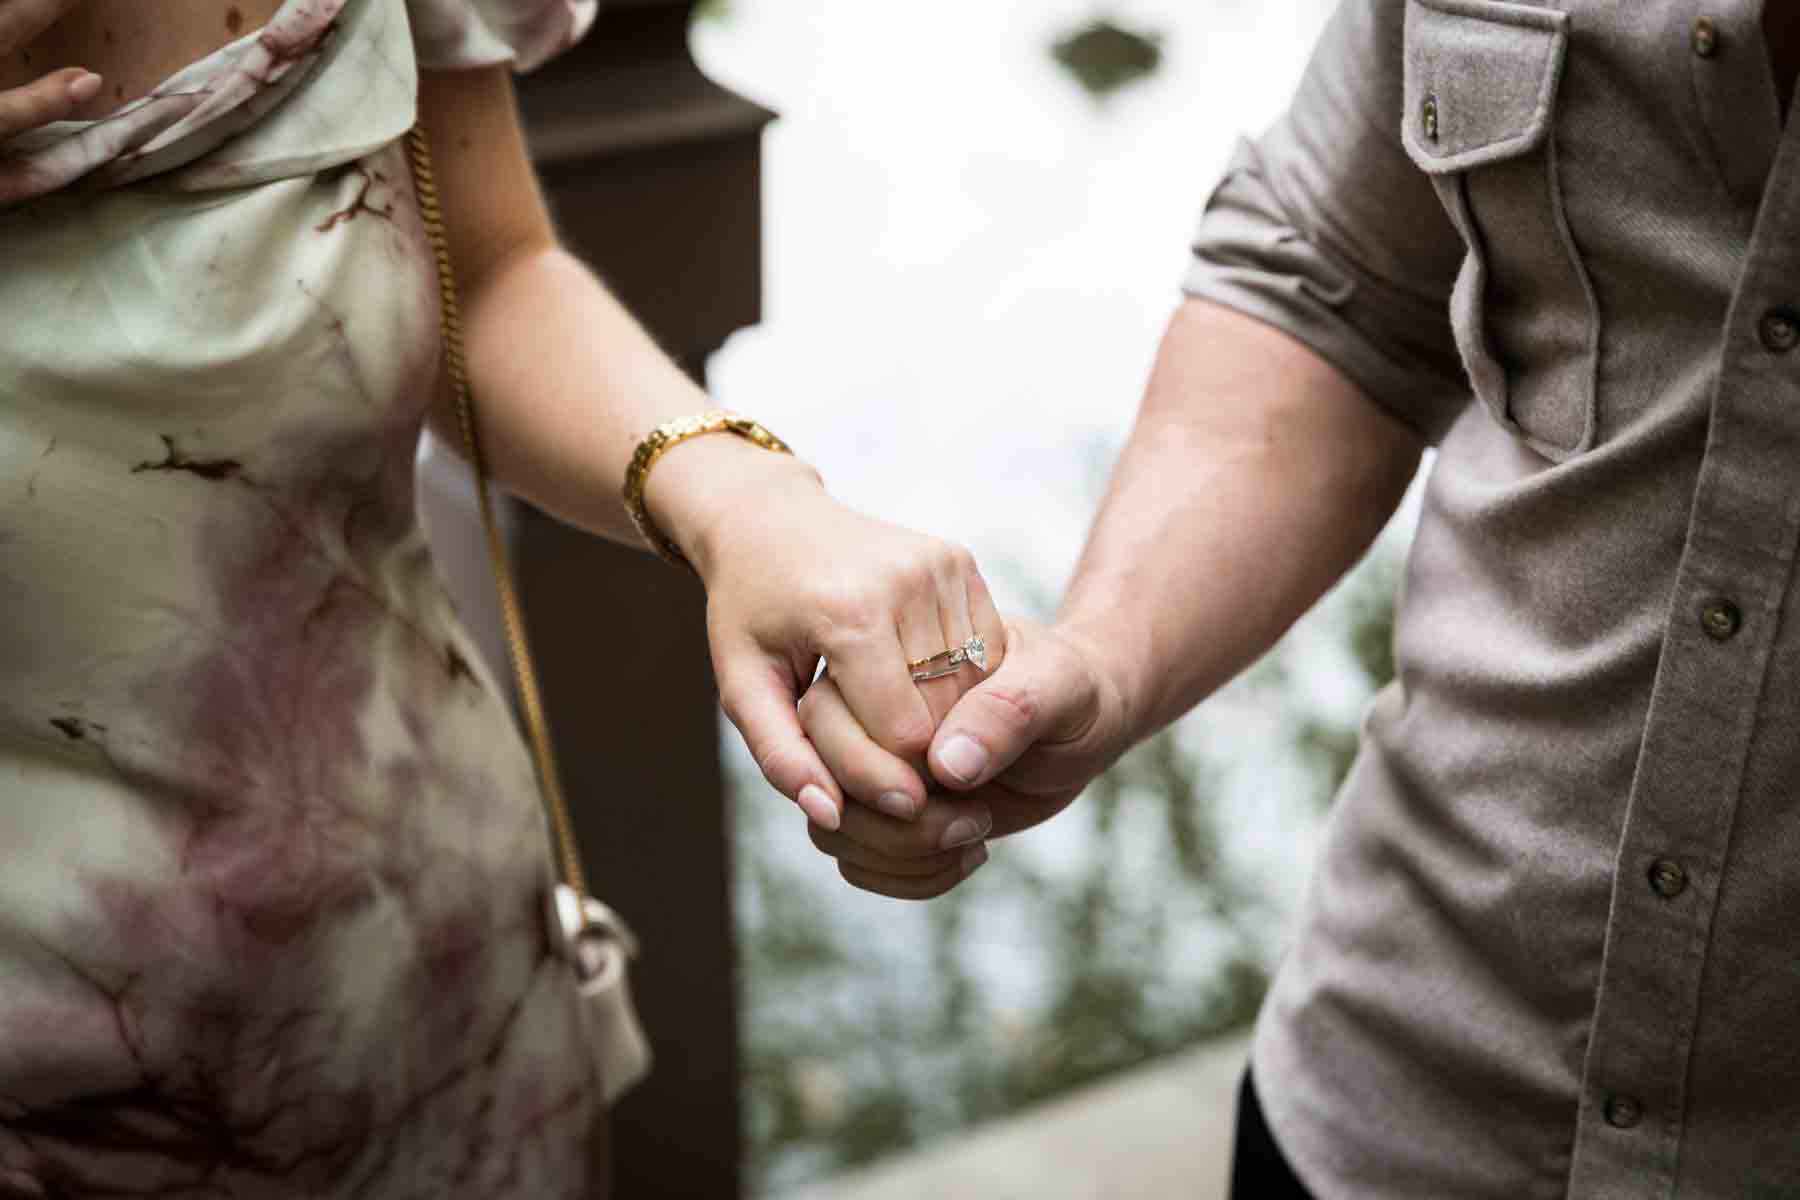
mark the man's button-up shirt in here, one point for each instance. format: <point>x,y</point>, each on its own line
<point>1550,948</point>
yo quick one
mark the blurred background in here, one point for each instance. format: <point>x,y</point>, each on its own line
<point>976,219</point>
<point>940,272</point>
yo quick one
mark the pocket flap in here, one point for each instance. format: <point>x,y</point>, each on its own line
<point>1481,80</point>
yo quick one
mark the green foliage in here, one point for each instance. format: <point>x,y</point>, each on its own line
<point>873,1026</point>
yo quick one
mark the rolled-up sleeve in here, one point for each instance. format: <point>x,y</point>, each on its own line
<point>1325,229</point>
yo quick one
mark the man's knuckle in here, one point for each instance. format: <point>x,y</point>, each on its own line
<point>1015,707</point>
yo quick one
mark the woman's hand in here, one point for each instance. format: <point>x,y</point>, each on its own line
<point>53,97</point>
<point>793,576</point>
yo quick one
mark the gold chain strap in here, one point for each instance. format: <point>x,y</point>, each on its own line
<point>562,832</point>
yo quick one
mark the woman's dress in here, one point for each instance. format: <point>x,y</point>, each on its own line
<point>271,853</point>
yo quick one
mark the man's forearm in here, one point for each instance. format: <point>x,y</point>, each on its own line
<point>1256,476</point>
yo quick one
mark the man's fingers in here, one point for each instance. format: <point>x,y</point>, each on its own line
<point>759,700</point>
<point>947,822</point>
<point>867,773</point>
<point>913,887</point>
<point>1014,810</point>
<point>1042,693</point>
<point>846,851</point>
<point>53,98</point>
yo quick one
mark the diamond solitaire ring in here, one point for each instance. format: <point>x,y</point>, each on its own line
<point>949,662</point>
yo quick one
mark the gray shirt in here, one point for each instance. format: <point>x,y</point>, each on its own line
<point>1552,945</point>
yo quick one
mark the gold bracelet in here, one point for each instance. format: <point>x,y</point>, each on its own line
<point>657,442</point>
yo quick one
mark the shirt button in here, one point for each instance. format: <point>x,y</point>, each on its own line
<point>1706,37</point>
<point>1622,1112</point>
<point>1428,118</point>
<point>1720,619</point>
<point>1668,879</point>
<point>1779,330</point>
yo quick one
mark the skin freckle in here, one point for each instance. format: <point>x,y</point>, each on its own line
<point>234,20</point>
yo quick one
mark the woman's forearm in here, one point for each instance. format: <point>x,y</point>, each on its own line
<point>1257,474</point>
<point>568,383</point>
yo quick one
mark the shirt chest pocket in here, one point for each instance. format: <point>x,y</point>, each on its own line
<point>1481,83</point>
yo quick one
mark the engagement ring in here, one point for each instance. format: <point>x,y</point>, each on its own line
<point>949,662</point>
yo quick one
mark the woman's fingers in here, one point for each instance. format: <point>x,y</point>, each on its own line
<point>865,771</point>
<point>869,666</point>
<point>923,634</point>
<point>759,700</point>
<point>55,97</point>
<point>984,617</point>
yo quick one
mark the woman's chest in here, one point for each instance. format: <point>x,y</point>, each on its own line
<point>134,45</point>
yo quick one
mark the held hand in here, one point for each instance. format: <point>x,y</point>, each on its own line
<point>793,576</point>
<point>56,95</point>
<point>1015,751</point>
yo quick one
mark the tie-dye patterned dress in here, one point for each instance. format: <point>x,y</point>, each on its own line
<point>271,853</point>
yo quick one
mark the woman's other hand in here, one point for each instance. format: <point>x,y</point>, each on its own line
<point>52,97</point>
<point>792,577</point>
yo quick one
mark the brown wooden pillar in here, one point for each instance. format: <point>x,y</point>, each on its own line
<point>654,175</point>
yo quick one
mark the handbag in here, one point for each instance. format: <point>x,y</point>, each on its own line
<point>590,937</point>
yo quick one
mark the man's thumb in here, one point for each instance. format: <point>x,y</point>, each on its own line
<point>1001,718</point>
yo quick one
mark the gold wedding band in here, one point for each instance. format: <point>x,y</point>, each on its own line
<point>949,662</point>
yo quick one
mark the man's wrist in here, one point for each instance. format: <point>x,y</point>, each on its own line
<point>1115,656</point>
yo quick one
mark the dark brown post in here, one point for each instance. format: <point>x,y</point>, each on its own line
<point>654,175</point>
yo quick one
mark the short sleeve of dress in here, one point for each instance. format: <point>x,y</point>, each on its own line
<point>485,33</point>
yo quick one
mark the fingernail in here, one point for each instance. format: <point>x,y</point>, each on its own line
<point>84,87</point>
<point>898,804</point>
<point>964,830</point>
<point>964,759</point>
<point>818,807</point>
<point>973,857</point>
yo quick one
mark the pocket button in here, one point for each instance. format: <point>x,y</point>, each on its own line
<point>1721,620</point>
<point>1706,37</point>
<point>1779,331</point>
<point>1428,118</point>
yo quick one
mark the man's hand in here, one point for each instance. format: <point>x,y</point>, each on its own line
<point>1014,751</point>
<point>55,96</point>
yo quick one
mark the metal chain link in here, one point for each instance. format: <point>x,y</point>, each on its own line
<point>431,212</point>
